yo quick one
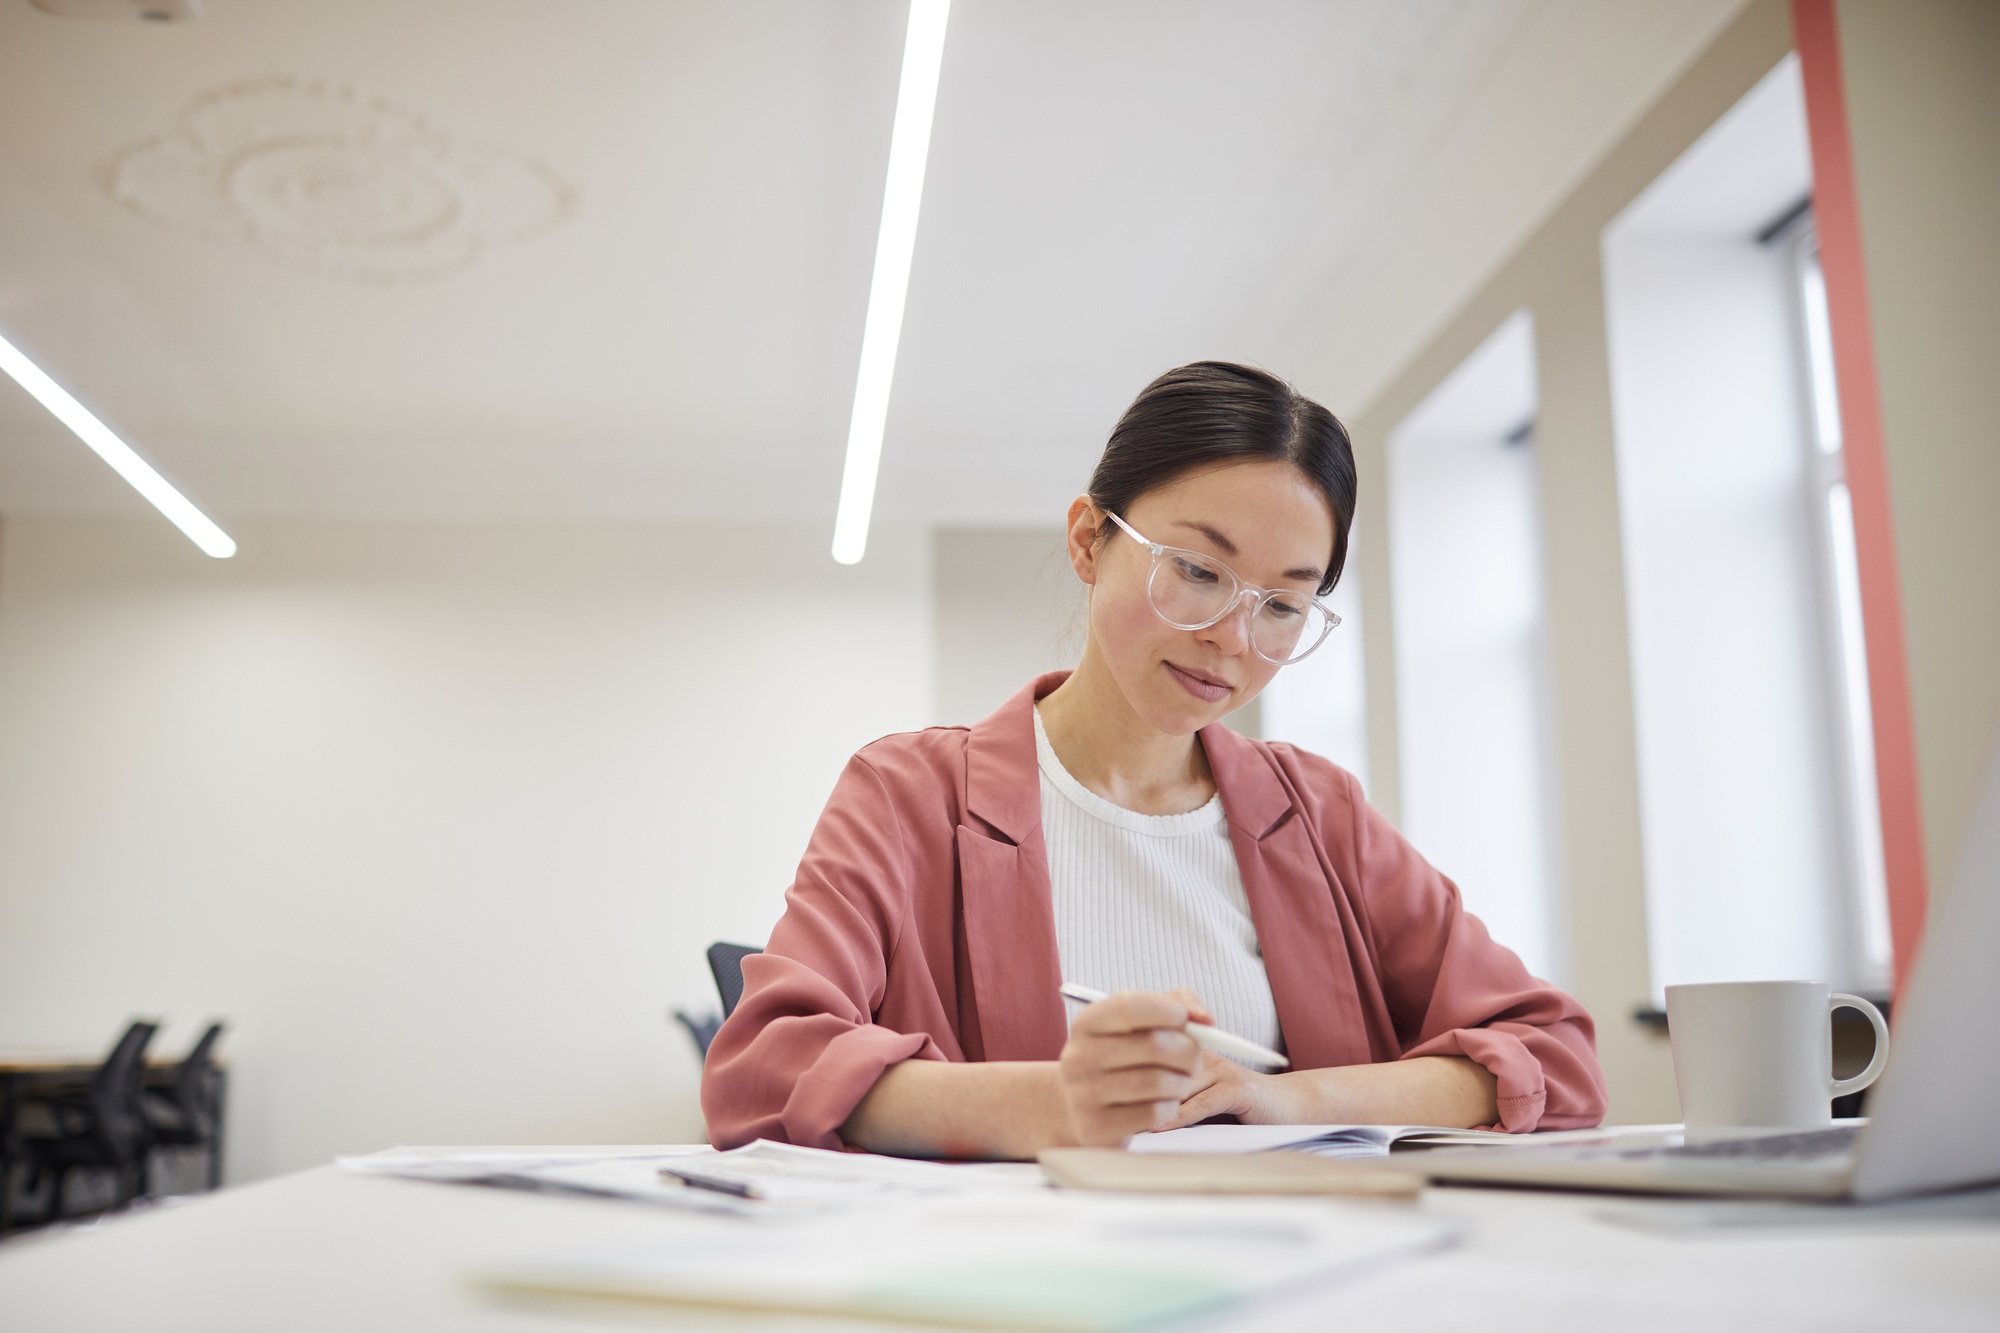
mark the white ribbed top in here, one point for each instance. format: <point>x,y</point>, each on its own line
<point>1152,902</point>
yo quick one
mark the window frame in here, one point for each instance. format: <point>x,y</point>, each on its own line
<point>1864,916</point>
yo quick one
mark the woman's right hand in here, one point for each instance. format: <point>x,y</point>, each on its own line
<point>1128,1064</point>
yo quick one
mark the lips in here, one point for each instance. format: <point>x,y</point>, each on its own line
<point>1207,688</point>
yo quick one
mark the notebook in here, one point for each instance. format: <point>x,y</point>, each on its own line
<point>1349,1141</point>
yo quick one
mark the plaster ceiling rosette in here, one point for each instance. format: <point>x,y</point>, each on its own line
<point>334,182</point>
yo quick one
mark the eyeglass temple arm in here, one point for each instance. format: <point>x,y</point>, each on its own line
<point>1131,531</point>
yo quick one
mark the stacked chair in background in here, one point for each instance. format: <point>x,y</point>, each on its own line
<point>189,1115</point>
<point>99,1127</point>
<point>114,1125</point>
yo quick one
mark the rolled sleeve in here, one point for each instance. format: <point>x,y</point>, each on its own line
<point>825,1095</point>
<point>1521,1089</point>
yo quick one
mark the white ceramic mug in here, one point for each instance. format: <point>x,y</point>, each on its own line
<point>1758,1053</point>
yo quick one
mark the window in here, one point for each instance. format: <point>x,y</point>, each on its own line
<point>1474,716</point>
<point>1865,882</point>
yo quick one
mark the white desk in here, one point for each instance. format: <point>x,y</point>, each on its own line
<point>324,1250</point>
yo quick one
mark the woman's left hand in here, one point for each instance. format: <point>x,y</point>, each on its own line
<point>1223,1087</point>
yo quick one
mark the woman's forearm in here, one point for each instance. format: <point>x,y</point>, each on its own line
<point>1014,1109</point>
<point>1006,1109</point>
<point>1446,1090</point>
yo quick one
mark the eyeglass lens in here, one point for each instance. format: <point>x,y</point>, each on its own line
<point>1189,592</point>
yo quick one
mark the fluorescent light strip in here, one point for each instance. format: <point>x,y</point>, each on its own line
<point>116,452</point>
<point>909,147</point>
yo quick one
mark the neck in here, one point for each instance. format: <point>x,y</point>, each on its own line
<point>1115,753</point>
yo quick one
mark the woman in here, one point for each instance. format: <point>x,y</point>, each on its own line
<point>1103,828</point>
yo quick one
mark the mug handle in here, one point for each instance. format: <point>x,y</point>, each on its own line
<point>1843,1086</point>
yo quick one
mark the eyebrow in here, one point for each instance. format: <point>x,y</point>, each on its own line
<point>1306,575</point>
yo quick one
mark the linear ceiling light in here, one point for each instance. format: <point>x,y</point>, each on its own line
<point>909,146</point>
<point>116,452</point>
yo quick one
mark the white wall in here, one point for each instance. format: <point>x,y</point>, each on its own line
<point>1008,607</point>
<point>1321,704</point>
<point>1924,109</point>
<point>1742,839</point>
<point>1471,656</point>
<point>440,819</point>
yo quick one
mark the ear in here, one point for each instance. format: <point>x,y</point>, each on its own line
<point>1085,519</point>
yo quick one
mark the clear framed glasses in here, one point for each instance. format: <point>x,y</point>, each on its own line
<point>1190,590</point>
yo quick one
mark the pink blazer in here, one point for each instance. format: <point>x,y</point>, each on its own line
<point>920,927</point>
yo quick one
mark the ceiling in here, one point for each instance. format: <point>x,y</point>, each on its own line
<point>610,258</point>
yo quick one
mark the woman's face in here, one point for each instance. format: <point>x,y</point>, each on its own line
<point>1263,519</point>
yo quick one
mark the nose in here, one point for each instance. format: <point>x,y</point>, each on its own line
<point>1231,634</point>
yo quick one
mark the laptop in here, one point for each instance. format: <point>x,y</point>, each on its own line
<point>1936,1121</point>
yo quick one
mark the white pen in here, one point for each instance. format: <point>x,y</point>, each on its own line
<point>1205,1036</point>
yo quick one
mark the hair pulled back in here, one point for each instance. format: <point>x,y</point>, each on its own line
<point>1210,412</point>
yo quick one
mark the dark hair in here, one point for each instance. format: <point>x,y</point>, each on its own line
<point>1217,412</point>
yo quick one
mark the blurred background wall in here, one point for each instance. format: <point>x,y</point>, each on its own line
<point>1925,109</point>
<point>1008,608</point>
<point>440,818</point>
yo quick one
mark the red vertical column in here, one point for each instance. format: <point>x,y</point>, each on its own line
<point>1837,216</point>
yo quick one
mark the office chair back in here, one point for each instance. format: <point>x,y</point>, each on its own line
<point>701,1027</point>
<point>116,1120</point>
<point>725,961</point>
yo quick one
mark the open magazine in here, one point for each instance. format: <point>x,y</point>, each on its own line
<point>1323,1140</point>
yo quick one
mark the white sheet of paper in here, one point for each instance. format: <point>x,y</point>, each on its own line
<point>997,1258</point>
<point>787,1179</point>
<point>783,1173</point>
<point>476,1163</point>
<point>617,1173</point>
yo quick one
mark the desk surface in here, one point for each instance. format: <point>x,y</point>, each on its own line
<point>54,1060</point>
<point>327,1250</point>
<point>69,1062</point>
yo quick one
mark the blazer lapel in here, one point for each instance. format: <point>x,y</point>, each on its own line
<point>1293,904</point>
<point>1003,867</point>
